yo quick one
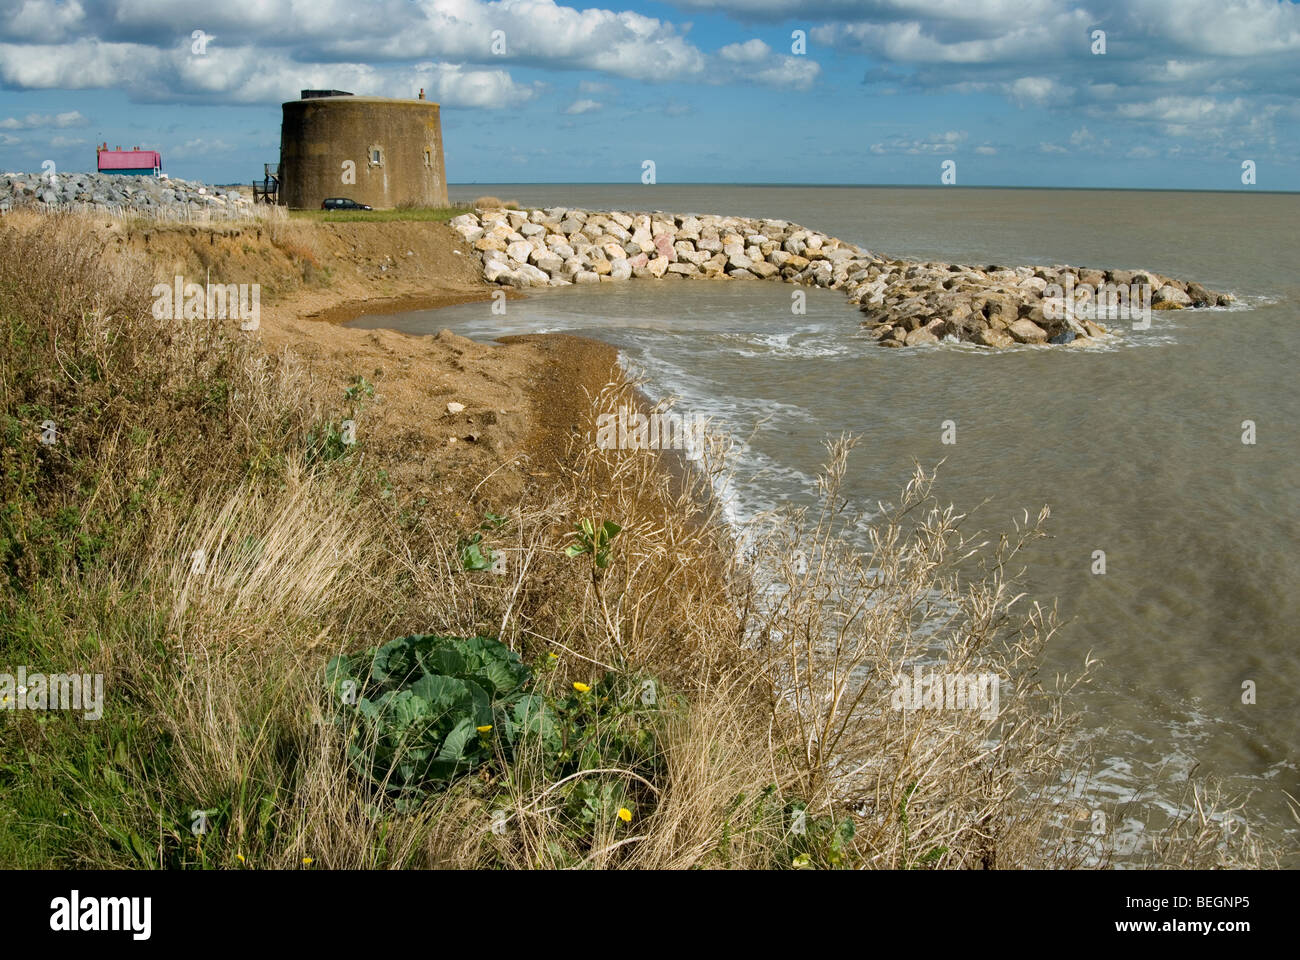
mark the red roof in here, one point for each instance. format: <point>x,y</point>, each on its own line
<point>129,159</point>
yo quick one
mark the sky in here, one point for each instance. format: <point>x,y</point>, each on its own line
<point>1181,94</point>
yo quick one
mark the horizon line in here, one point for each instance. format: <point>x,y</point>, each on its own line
<point>889,186</point>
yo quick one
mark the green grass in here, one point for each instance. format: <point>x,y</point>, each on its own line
<point>434,214</point>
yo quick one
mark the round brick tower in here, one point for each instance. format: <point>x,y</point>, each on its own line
<point>373,150</point>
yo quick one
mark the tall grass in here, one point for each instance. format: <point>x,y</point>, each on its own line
<point>775,744</point>
<point>411,213</point>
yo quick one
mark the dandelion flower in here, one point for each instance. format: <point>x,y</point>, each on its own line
<point>484,729</point>
<point>580,687</point>
<point>625,814</point>
<point>308,860</point>
<point>240,857</point>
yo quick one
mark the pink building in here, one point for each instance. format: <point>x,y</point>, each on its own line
<point>141,162</point>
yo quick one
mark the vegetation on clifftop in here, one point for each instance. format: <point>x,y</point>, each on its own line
<point>198,534</point>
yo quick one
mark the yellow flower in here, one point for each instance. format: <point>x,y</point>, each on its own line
<point>580,687</point>
<point>484,729</point>
<point>625,814</point>
<point>308,860</point>
<point>554,656</point>
<point>241,857</point>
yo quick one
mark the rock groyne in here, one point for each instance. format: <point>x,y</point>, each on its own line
<point>119,193</point>
<point>905,303</point>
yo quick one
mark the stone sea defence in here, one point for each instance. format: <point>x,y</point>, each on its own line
<point>118,193</point>
<point>905,303</point>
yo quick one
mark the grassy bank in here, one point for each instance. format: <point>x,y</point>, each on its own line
<point>415,214</point>
<point>199,530</point>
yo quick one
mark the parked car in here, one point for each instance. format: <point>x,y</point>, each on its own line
<point>343,203</point>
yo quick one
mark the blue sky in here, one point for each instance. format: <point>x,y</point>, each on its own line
<point>1015,92</point>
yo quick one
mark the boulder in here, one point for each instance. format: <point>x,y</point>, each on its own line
<point>1170,294</point>
<point>1026,331</point>
<point>495,270</point>
<point>992,338</point>
<point>549,262</point>
<point>533,273</point>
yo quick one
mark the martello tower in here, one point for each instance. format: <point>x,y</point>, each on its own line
<point>374,150</point>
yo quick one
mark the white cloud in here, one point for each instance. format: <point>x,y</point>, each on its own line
<point>1036,90</point>
<point>198,147</point>
<point>937,143</point>
<point>751,51</point>
<point>244,75</point>
<point>582,106</point>
<point>33,121</point>
<point>41,21</point>
<point>144,47</point>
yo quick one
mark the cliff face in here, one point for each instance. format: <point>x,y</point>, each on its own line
<point>437,414</point>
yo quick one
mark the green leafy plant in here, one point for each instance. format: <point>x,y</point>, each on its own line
<point>325,443</point>
<point>475,554</point>
<point>597,542</point>
<point>818,842</point>
<point>426,708</point>
<point>360,387</point>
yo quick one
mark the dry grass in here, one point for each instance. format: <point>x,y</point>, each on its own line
<point>776,662</point>
<point>495,203</point>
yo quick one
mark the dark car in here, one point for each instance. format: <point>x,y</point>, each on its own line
<point>343,203</point>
